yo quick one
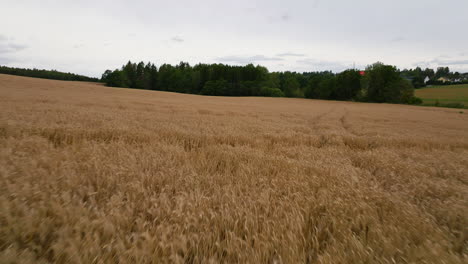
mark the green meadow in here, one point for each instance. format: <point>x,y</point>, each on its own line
<point>445,95</point>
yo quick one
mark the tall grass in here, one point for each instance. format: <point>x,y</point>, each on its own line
<point>90,174</point>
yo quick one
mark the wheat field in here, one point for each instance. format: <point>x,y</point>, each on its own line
<point>92,174</point>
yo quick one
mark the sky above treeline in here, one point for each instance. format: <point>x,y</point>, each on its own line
<point>88,37</point>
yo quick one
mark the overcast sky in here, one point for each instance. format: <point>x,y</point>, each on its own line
<point>88,37</point>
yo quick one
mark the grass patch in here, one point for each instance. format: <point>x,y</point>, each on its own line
<point>453,96</point>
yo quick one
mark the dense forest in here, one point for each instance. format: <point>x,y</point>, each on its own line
<point>46,74</point>
<point>378,83</point>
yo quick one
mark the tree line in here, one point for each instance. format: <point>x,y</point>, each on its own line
<point>46,74</point>
<point>418,76</point>
<point>378,83</point>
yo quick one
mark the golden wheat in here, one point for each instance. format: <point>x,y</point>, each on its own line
<point>91,174</point>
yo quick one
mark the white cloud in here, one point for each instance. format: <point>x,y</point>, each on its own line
<point>247,59</point>
<point>320,65</point>
<point>177,39</point>
<point>8,49</point>
<point>291,54</point>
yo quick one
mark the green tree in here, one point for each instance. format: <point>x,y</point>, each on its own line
<point>273,80</point>
<point>291,86</point>
<point>406,92</point>
<point>130,71</point>
<point>381,83</point>
<point>218,87</point>
<point>442,72</point>
<point>429,73</point>
<point>140,76</point>
<point>348,84</point>
<point>326,88</point>
<point>117,79</point>
<point>105,76</point>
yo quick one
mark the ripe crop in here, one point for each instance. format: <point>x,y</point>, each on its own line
<point>92,174</point>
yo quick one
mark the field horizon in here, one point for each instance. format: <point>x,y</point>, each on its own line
<point>95,174</point>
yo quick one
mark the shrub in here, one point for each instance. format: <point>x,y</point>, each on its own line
<point>452,105</point>
<point>271,92</point>
<point>218,87</point>
<point>415,101</point>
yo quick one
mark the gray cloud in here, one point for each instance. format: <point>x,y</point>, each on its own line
<point>316,4</point>
<point>77,46</point>
<point>335,33</point>
<point>445,60</point>
<point>291,54</point>
<point>177,39</point>
<point>247,59</point>
<point>451,62</point>
<point>314,65</point>
<point>10,47</point>
<point>6,60</point>
<point>458,64</point>
<point>398,39</point>
<point>279,18</point>
<point>285,17</point>
<point>17,47</point>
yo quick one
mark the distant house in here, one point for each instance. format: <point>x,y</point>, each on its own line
<point>443,79</point>
<point>426,79</point>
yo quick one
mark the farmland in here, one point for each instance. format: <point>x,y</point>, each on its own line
<point>93,174</point>
<point>447,94</point>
